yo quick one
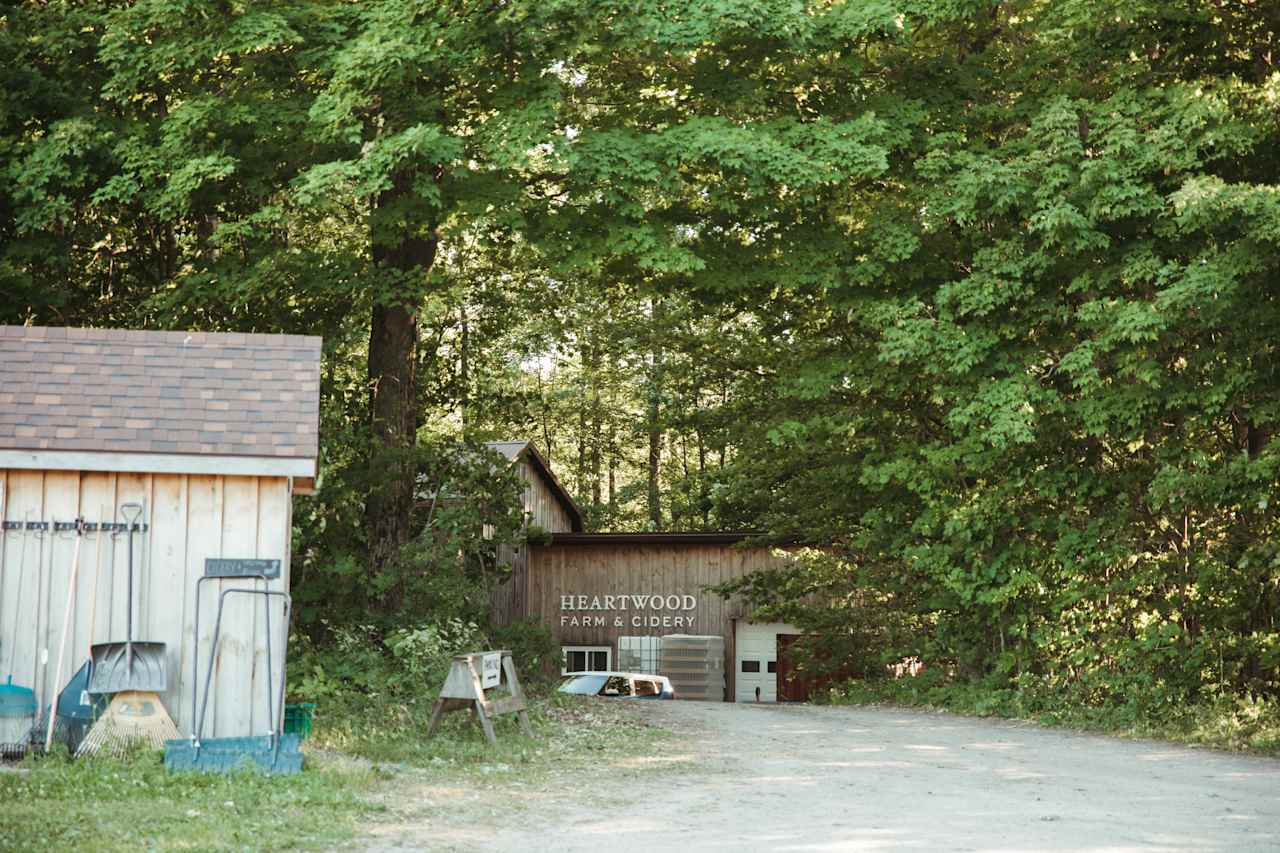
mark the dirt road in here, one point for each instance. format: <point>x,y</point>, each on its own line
<point>802,778</point>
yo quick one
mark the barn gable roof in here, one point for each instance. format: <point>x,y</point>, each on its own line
<point>524,449</point>
<point>172,402</point>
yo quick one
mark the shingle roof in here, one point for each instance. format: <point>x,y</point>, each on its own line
<point>197,393</point>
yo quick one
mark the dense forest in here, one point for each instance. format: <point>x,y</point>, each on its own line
<point>980,299</point>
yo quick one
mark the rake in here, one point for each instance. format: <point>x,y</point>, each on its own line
<point>133,718</point>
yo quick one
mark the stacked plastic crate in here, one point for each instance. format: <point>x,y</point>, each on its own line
<point>695,666</point>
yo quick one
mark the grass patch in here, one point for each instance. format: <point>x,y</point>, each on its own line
<point>109,805</point>
<point>1229,723</point>
<point>357,758</point>
<point>566,729</point>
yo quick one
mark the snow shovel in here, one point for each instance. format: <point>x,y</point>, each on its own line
<point>129,666</point>
<point>274,753</point>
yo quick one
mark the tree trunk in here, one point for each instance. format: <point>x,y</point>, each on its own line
<point>593,367</point>
<point>464,376</point>
<point>393,415</point>
<point>611,450</point>
<point>652,421</point>
<point>546,427</point>
<point>704,498</point>
<point>580,471</point>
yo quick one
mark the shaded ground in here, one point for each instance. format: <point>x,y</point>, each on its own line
<point>806,778</point>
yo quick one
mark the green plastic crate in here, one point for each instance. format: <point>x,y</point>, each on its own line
<point>297,719</point>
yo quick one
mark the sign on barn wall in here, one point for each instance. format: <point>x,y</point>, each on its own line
<point>620,611</point>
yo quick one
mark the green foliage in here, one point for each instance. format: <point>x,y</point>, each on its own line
<point>1036,420</point>
<point>467,507</point>
<point>535,534</point>
<point>1243,723</point>
<point>976,297</point>
<point>851,629</point>
<point>567,736</point>
<point>362,662</point>
<point>425,653</point>
<point>533,648</point>
<point>358,663</point>
<point>104,804</point>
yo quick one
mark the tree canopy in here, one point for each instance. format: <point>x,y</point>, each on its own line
<point>978,297</point>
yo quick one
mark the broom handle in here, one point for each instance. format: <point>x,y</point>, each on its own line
<point>131,512</point>
<point>66,626</point>
<point>93,582</point>
<point>17,603</point>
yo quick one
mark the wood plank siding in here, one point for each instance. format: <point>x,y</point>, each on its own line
<point>191,518</point>
<point>634,585</point>
<point>542,507</point>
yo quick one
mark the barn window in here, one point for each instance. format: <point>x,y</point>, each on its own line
<point>639,654</point>
<point>751,666</point>
<point>586,659</point>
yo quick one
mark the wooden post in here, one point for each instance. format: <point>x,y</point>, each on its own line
<point>521,714</point>
<point>469,677</point>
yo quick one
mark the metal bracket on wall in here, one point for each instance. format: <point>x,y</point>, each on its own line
<point>121,527</point>
<point>68,526</point>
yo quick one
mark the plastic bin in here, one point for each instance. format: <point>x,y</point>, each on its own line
<point>297,719</point>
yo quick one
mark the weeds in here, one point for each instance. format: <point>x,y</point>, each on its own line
<point>1221,722</point>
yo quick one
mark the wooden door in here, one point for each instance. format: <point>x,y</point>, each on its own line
<point>791,686</point>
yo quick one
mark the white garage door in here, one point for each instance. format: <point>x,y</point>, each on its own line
<point>755,652</point>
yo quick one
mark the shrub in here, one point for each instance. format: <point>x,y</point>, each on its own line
<point>424,652</point>
<point>532,646</point>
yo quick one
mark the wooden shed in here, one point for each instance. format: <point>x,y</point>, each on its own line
<point>212,434</point>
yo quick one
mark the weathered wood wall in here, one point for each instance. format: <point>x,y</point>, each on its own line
<point>191,518</point>
<point>540,503</point>
<point>507,601</point>
<point>617,570</point>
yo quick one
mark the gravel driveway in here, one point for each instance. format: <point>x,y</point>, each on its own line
<point>818,778</point>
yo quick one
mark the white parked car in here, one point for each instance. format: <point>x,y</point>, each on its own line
<point>618,685</point>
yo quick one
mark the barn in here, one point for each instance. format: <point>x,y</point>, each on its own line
<point>610,599</point>
<point>203,437</point>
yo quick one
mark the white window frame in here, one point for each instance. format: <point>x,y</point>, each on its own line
<point>564,657</point>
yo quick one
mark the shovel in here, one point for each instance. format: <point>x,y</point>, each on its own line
<point>139,666</point>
